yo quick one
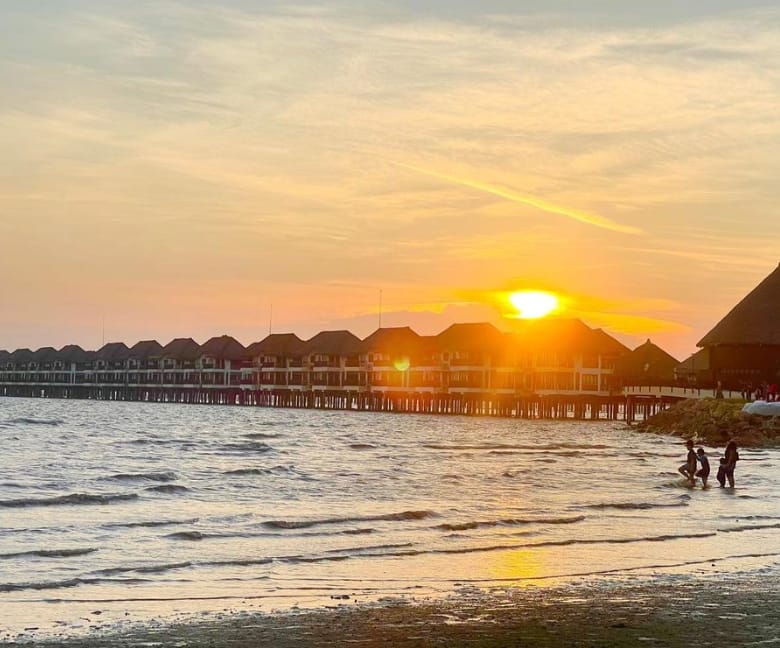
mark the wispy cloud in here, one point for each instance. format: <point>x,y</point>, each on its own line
<point>531,201</point>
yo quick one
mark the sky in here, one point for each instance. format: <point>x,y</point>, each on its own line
<point>196,168</point>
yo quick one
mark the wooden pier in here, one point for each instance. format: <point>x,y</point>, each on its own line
<point>580,407</point>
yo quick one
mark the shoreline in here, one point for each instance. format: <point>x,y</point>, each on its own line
<point>726,609</point>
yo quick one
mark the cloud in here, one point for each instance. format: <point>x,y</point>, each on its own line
<point>538,203</point>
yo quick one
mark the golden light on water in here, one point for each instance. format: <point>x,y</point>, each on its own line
<point>532,304</point>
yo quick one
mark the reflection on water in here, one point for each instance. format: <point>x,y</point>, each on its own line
<point>145,507</point>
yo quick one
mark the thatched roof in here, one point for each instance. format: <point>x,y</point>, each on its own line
<point>400,339</point>
<point>145,349</point>
<point>181,349</point>
<point>333,343</point>
<point>44,354</point>
<point>72,353</point>
<point>480,336</point>
<point>223,347</point>
<point>698,362</point>
<point>647,361</point>
<point>606,345</point>
<point>755,321</point>
<point>21,355</point>
<point>277,344</point>
<point>563,335</point>
<point>113,352</point>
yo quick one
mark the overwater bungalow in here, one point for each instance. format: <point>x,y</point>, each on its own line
<point>744,347</point>
<point>648,364</point>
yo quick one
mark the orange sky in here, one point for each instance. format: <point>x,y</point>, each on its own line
<point>176,168</point>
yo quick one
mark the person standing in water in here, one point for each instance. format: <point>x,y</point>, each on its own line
<point>688,469</point>
<point>731,456</point>
<point>704,471</point>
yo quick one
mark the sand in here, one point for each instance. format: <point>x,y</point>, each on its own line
<point>735,611</point>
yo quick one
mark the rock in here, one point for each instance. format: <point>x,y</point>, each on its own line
<point>706,420</point>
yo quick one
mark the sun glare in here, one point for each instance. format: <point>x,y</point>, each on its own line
<point>531,304</point>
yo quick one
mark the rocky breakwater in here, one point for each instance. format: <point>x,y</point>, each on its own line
<point>706,420</point>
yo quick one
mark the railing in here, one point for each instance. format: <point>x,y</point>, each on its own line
<point>681,392</point>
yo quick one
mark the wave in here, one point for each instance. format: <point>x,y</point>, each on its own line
<point>634,506</point>
<point>187,535</point>
<point>248,471</point>
<point>150,523</point>
<point>165,476</point>
<point>749,527</point>
<point>362,446</point>
<point>274,470</point>
<point>509,522</point>
<point>507,446</point>
<point>75,498</point>
<point>144,569</point>
<point>238,562</point>
<point>262,435</point>
<point>24,420</point>
<point>49,553</point>
<point>305,524</point>
<point>167,488</point>
<point>70,582</point>
<point>247,446</point>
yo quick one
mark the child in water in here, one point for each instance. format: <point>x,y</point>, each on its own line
<point>704,471</point>
<point>721,476</point>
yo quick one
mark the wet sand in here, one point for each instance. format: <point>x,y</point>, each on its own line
<point>736,611</point>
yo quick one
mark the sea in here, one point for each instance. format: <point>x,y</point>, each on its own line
<point>114,513</point>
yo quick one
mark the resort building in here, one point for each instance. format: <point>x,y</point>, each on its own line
<point>744,347</point>
<point>393,368</point>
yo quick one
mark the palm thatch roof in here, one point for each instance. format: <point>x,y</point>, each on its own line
<point>113,352</point>
<point>181,349</point>
<point>479,336</point>
<point>72,353</point>
<point>647,361</point>
<point>277,344</point>
<point>21,355</point>
<point>145,349</point>
<point>755,321</point>
<point>44,354</point>
<point>696,364</point>
<point>333,343</point>
<point>401,339</point>
<point>223,347</point>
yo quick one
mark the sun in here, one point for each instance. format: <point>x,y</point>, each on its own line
<point>531,304</point>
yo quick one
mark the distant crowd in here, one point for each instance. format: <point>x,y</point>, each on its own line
<point>765,391</point>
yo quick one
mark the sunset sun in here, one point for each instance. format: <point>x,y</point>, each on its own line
<point>531,304</point>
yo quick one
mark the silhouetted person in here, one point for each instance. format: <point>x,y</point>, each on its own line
<point>731,456</point>
<point>721,476</point>
<point>688,469</point>
<point>704,471</point>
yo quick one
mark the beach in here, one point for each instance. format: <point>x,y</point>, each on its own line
<point>142,524</point>
<point>730,609</point>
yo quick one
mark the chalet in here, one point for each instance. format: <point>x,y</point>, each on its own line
<point>179,362</point>
<point>396,358</point>
<point>333,360</point>
<point>744,347</point>
<point>648,364</point>
<point>278,361</point>
<point>143,363</point>
<point>695,370</point>
<point>223,361</point>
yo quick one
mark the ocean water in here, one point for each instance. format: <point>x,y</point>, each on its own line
<point>123,512</point>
